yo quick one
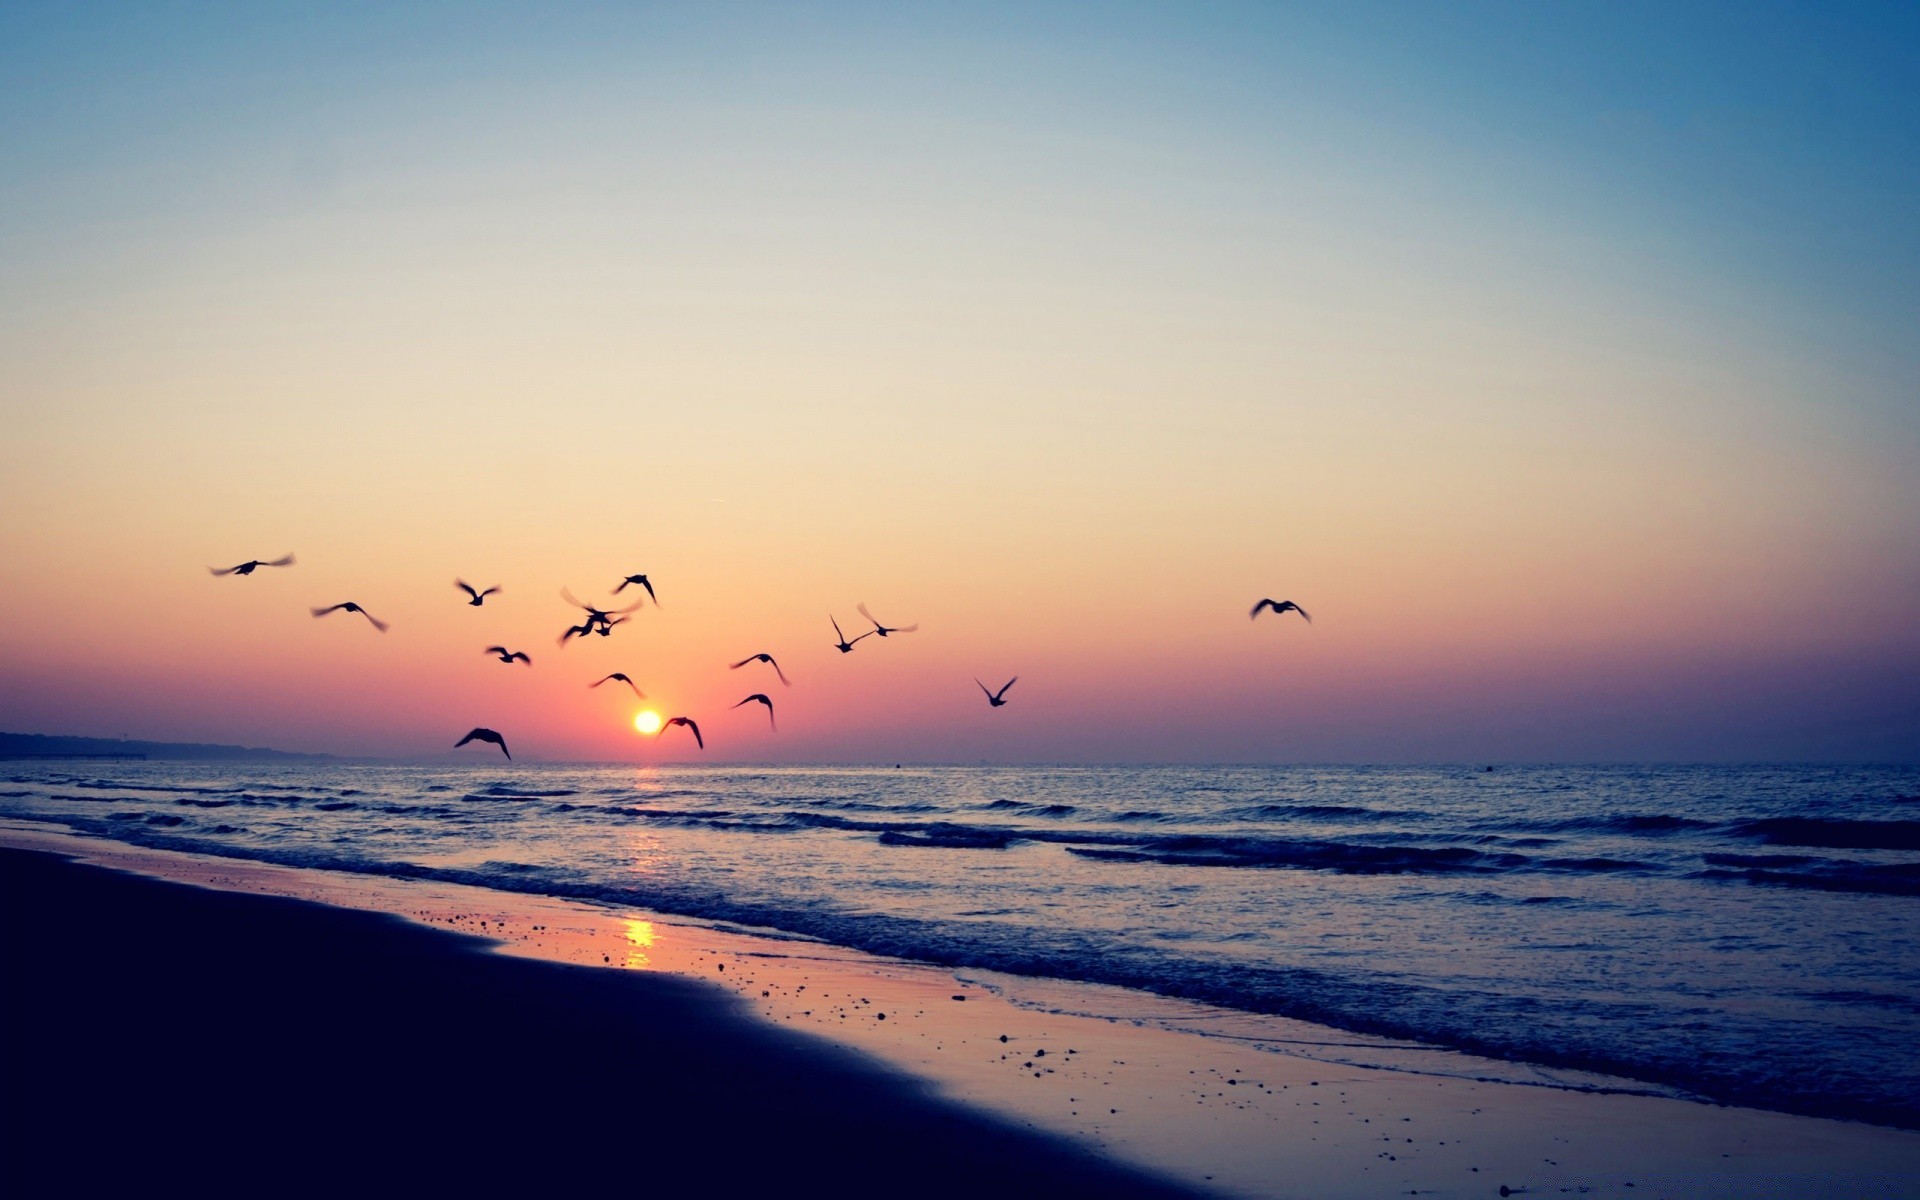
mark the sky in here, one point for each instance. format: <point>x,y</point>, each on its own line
<point>1557,358</point>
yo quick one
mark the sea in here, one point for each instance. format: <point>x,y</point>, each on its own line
<point>1745,935</point>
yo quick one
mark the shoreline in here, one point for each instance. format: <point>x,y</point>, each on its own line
<point>1252,1106</point>
<point>252,1043</point>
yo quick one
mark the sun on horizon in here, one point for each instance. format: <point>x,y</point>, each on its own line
<point>647,721</point>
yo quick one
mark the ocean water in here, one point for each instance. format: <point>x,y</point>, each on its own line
<point>1747,934</point>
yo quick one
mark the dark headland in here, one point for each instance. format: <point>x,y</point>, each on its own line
<point>169,1038</point>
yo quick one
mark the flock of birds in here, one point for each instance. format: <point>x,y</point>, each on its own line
<point>601,621</point>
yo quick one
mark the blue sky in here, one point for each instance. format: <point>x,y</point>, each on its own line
<point>1542,341</point>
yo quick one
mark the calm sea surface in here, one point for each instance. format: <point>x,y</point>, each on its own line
<point>1750,934</point>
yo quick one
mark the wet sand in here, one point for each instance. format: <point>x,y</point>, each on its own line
<point>1213,1099</point>
<point>164,1037</point>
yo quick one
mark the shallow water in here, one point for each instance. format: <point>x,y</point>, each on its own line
<point>1751,934</point>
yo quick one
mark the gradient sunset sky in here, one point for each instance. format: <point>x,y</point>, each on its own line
<point>1560,359</point>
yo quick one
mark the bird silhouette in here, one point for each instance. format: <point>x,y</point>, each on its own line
<point>884,630</point>
<point>466,587</point>
<point>508,656</point>
<point>843,645</point>
<point>642,581</point>
<point>247,568</point>
<point>762,698</point>
<point>622,677</point>
<point>768,659</point>
<point>688,722</point>
<point>592,626</point>
<point>599,620</point>
<point>351,607</point>
<point>485,735</point>
<point>995,698</point>
<point>1278,606</point>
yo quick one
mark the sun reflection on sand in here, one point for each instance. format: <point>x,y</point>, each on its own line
<point>640,936</point>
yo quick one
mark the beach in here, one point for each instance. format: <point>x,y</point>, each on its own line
<point>244,1022</point>
<point>1262,601</point>
<point>167,1036</point>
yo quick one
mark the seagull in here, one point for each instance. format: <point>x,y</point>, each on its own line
<point>768,659</point>
<point>884,630</point>
<point>843,645</point>
<point>762,698</point>
<point>350,606</point>
<point>466,587</point>
<point>246,568</point>
<point>590,626</point>
<point>599,620</point>
<point>1278,606</point>
<point>688,722</point>
<point>508,656</point>
<point>485,735</point>
<point>642,581</point>
<point>995,698</point>
<point>622,677</point>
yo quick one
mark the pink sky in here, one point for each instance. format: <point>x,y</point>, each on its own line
<point>1067,371</point>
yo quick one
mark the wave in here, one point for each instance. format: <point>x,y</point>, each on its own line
<point>1028,809</point>
<point>664,793</point>
<point>1591,865</point>
<point>1762,861</point>
<point>508,791</point>
<point>108,785</point>
<point>1899,879</point>
<point>871,806</point>
<point>1342,857</point>
<point>1831,832</point>
<point>954,838</point>
<point>1313,812</point>
<point>1641,824</point>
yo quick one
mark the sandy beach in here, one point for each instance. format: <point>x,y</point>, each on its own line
<point>1263,601</point>
<point>267,1023</point>
<point>162,1035</point>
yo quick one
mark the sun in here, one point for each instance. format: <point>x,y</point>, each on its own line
<point>647,721</point>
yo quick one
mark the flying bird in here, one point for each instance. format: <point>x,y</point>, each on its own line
<point>508,656</point>
<point>884,630</point>
<point>996,699</point>
<point>1278,606</point>
<point>247,568</point>
<point>768,659</point>
<point>622,677</point>
<point>688,722</point>
<point>599,620</point>
<point>351,607</point>
<point>466,587</point>
<point>642,581</point>
<point>762,698</point>
<point>843,645</point>
<point>592,626</point>
<point>485,735</point>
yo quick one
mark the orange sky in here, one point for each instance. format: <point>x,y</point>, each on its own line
<point>1071,385</point>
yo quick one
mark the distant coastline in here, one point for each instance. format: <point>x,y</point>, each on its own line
<point>38,746</point>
